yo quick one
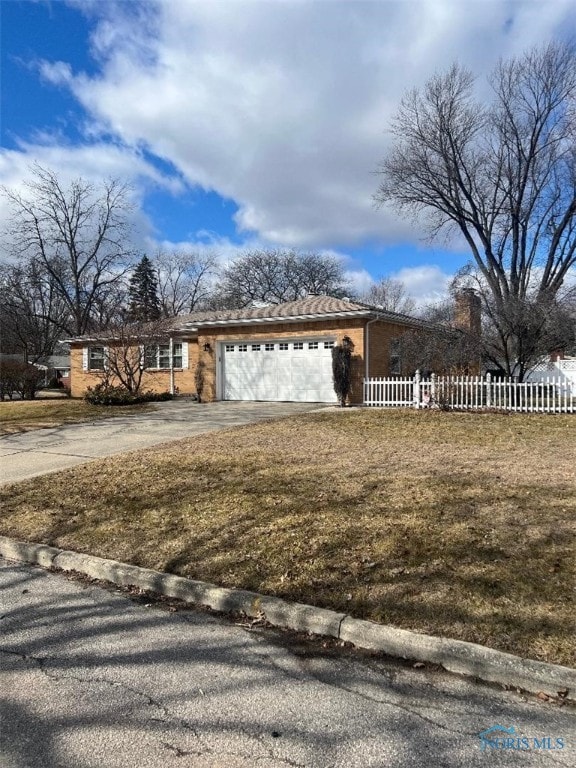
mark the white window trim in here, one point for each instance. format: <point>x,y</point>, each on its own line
<point>170,366</point>
<point>86,358</point>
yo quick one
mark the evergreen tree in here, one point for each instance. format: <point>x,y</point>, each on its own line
<point>143,293</point>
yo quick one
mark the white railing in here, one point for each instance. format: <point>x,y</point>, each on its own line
<point>549,395</point>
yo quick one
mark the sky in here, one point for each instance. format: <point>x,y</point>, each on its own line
<point>248,124</point>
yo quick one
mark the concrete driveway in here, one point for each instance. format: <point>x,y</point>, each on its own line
<point>42,451</point>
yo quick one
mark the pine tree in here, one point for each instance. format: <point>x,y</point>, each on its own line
<point>143,293</point>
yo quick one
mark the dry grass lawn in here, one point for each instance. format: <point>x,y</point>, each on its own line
<point>447,523</point>
<point>24,415</point>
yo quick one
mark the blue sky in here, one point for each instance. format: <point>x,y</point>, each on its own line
<point>243,124</point>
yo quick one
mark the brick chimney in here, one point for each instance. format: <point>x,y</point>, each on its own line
<point>467,312</point>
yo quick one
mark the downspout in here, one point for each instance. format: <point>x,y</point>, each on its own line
<point>171,354</point>
<point>367,346</point>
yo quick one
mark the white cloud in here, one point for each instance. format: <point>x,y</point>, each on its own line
<point>281,107</point>
<point>360,280</point>
<point>222,248</point>
<point>427,284</point>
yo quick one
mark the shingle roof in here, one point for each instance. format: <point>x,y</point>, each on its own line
<point>311,305</point>
<point>309,308</point>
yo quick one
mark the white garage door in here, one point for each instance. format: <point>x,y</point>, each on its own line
<point>299,370</point>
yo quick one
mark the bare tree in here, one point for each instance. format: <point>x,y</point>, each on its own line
<point>275,276</point>
<point>502,174</point>
<point>129,351</point>
<point>446,344</point>
<point>77,235</point>
<point>32,314</point>
<point>391,295</point>
<point>519,335</point>
<point>183,280</point>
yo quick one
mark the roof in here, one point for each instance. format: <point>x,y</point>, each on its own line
<point>309,308</point>
<point>57,361</point>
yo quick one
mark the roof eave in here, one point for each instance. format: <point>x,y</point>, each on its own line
<point>276,319</point>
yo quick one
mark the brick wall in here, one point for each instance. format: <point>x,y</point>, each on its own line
<point>380,335</point>
<point>157,381</point>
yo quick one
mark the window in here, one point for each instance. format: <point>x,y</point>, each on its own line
<point>312,345</point>
<point>269,347</point>
<point>242,347</point>
<point>177,355</point>
<point>328,345</point>
<point>395,361</point>
<point>255,347</point>
<point>158,356</point>
<point>229,347</point>
<point>163,356</point>
<point>96,359</point>
<point>298,345</point>
<point>283,346</point>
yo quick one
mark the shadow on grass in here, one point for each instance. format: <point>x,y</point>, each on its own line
<point>480,568</point>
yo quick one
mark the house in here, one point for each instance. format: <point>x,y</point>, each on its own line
<point>559,367</point>
<point>56,367</point>
<point>278,352</point>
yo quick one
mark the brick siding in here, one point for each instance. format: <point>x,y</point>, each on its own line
<point>381,333</point>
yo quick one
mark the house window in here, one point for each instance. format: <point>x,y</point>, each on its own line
<point>255,347</point>
<point>283,346</point>
<point>313,345</point>
<point>158,356</point>
<point>269,347</point>
<point>229,347</point>
<point>96,359</point>
<point>395,361</point>
<point>177,355</point>
<point>298,345</point>
<point>328,345</point>
<point>242,347</point>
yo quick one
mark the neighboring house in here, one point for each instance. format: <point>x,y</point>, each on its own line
<point>561,369</point>
<point>281,352</point>
<point>56,367</point>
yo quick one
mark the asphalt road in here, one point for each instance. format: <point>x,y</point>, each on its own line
<point>41,451</point>
<point>91,679</point>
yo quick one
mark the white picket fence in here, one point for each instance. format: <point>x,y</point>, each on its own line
<point>552,395</point>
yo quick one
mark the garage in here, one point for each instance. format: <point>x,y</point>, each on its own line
<point>295,370</point>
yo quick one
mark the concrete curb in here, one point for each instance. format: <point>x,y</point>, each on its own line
<point>454,655</point>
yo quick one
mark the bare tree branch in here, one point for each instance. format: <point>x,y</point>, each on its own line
<point>391,295</point>
<point>183,280</point>
<point>277,276</point>
<point>502,174</point>
<point>77,235</point>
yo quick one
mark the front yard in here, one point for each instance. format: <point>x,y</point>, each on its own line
<point>24,415</point>
<point>448,523</point>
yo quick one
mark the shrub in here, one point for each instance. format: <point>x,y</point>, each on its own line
<point>19,378</point>
<point>157,397</point>
<point>342,372</point>
<point>105,394</point>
